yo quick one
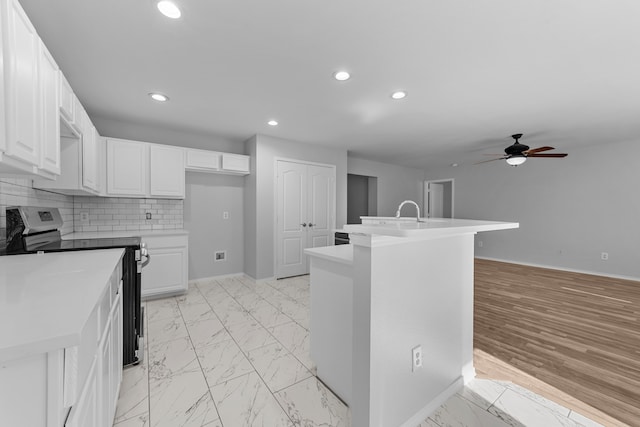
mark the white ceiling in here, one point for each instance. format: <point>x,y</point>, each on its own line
<point>565,73</point>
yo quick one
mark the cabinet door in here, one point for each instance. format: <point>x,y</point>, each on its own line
<point>166,166</point>
<point>104,378</point>
<point>50,137</point>
<point>22,84</point>
<point>90,169</point>
<point>202,160</point>
<point>236,163</point>
<point>167,270</point>
<point>66,99</point>
<point>126,168</point>
<point>116,352</point>
<point>85,412</point>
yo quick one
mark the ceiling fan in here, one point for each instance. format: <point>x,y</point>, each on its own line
<point>516,154</point>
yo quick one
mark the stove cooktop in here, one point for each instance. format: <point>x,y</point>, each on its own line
<point>80,245</point>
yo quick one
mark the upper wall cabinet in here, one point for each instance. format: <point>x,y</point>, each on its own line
<point>28,142</point>
<point>141,169</point>
<point>67,100</point>
<point>202,160</point>
<point>166,171</point>
<point>235,163</point>
<point>213,161</point>
<point>127,165</point>
<point>50,136</point>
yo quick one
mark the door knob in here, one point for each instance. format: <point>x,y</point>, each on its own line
<point>311,225</point>
<point>304,224</point>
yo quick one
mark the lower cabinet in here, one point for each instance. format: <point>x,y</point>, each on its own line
<point>85,411</point>
<point>96,405</point>
<point>167,270</point>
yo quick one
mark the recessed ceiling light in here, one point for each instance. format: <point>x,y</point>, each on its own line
<point>399,94</point>
<point>342,75</point>
<point>454,165</point>
<point>159,97</point>
<point>272,123</point>
<point>169,9</point>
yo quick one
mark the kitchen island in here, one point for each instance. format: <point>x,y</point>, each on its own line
<point>60,338</point>
<point>402,290</point>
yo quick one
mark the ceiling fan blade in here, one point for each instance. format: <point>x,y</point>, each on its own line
<point>548,155</point>
<point>538,150</point>
<point>490,160</point>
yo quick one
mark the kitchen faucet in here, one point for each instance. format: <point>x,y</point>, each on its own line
<point>413,203</point>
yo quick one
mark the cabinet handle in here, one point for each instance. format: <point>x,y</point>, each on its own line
<point>304,224</point>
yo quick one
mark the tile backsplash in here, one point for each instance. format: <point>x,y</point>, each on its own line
<point>81,213</point>
<point>120,214</point>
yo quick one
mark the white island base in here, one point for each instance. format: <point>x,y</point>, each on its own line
<point>397,287</point>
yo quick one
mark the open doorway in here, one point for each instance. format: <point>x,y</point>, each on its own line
<point>362,197</point>
<point>438,198</point>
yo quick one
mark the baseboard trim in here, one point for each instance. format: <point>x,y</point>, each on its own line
<point>222,276</point>
<point>570,270</point>
<point>431,407</point>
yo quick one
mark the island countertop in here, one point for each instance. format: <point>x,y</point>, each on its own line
<point>342,254</point>
<point>428,228</point>
<point>46,299</point>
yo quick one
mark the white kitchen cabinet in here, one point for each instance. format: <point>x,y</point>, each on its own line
<point>202,160</point>
<point>66,98</point>
<point>166,171</point>
<point>116,353</point>
<point>167,271</point>
<point>235,163</point>
<point>85,412</point>
<point>90,166</point>
<point>22,97</point>
<point>105,354</point>
<point>81,158</point>
<point>50,113</point>
<point>30,139</point>
<point>127,165</point>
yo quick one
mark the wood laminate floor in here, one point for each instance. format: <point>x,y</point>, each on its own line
<point>578,333</point>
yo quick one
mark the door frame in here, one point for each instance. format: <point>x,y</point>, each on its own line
<point>276,201</point>
<point>426,194</point>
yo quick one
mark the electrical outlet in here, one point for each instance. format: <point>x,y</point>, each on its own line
<point>480,243</point>
<point>416,356</point>
<point>220,256</point>
<point>84,216</point>
<point>148,215</point>
<point>225,215</point>
<point>604,256</point>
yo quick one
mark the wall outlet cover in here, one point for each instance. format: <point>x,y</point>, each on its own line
<point>220,256</point>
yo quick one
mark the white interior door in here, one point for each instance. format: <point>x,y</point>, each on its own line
<point>291,219</point>
<point>321,206</point>
<point>436,200</point>
<point>305,215</point>
<point>439,198</point>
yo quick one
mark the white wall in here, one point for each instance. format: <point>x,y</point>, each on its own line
<point>259,200</point>
<point>159,135</point>
<point>395,184</point>
<point>208,196</point>
<point>570,210</point>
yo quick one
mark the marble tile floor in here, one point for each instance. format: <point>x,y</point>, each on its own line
<point>233,352</point>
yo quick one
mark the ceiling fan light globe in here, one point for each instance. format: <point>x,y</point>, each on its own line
<point>516,160</point>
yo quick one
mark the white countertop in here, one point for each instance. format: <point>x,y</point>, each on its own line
<point>339,253</point>
<point>428,228</point>
<point>45,300</point>
<point>128,233</point>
